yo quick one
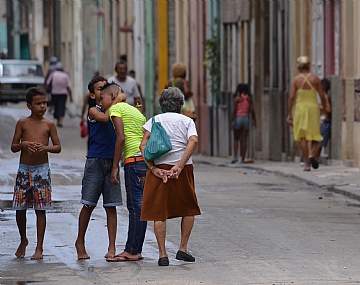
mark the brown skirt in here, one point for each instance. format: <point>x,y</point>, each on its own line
<point>175,198</point>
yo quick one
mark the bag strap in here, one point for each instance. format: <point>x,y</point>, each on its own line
<point>153,120</point>
<point>306,80</point>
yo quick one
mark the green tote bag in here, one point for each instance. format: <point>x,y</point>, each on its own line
<point>158,143</point>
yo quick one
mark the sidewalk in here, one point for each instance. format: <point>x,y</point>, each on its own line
<point>338,179</point>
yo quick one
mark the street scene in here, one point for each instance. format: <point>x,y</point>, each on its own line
<point>258,226</point>
<point>179,142</point>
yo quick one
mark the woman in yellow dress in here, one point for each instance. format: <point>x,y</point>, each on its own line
<point>306,122</point>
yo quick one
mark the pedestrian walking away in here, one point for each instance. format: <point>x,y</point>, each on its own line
<point>325,126</point>
<point>306,122</point>
<point>48,87</point>
<point>127,83</point>
<point>178,80</point>
<point>169,190</point>
<point>33,179</point>
<point>60,89</point>
<point>239,122</point>
<point>128,122</point>
<point>97,173</point>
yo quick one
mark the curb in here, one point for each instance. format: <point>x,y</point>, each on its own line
<point>332,188</point>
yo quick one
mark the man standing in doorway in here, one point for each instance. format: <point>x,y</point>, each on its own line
<point>127,83</point>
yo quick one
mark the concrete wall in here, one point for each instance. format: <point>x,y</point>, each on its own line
<point>337,97</point>
<point>348,69</point>
<point>357,144</point>
<point>89,32</point>
<point>274,124</point>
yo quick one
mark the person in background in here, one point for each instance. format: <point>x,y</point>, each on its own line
<point>61,88</point>
<point>239,122</point>
<point>127,83</point>
<point>169,190</point>
<point>325,126</point>
<point>52,68</point>
<point>178,80</point>
<point>143,109</point>
<point>306,122</point>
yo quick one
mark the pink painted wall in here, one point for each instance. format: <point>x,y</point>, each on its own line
<point>197,72</point>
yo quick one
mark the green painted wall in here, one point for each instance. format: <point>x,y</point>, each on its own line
<point>149,58</point>
<point>3,36</point>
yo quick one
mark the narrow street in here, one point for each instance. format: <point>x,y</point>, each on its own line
<point>255,228</point>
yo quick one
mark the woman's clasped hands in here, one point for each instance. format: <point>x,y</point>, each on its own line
<point>164,174</point>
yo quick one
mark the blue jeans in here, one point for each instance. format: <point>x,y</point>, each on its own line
<point>96,182</point>
<point>135,173</point>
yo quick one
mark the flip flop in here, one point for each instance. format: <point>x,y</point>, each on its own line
<point>314,163</point>
<point>120,258</point>
<point>122,255</point>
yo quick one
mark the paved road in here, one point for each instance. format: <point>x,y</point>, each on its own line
<point>255,228</point>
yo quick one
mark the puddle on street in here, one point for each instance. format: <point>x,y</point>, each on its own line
<point>16,281</point>
<point>270,186</point>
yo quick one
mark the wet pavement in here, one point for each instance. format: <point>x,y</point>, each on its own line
<point>263,223</point>
<point>338,179</point>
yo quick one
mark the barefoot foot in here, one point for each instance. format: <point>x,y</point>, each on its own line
<point>81,251</point>
<point>20,252</point>
<point>38,254</point>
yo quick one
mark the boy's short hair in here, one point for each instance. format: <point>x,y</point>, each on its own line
<point>326,85</point>
<point>95,80</point>
<point>132,71</point>
<point>34,91</point>
<point>111,87</point>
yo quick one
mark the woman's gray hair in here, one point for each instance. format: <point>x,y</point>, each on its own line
<point>171,99</point>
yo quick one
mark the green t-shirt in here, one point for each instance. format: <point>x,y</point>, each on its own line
<point>133,121</point>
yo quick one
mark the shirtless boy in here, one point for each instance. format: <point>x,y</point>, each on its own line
<point>33,182</point>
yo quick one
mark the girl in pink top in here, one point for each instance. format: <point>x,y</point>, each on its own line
<point>239,121</point>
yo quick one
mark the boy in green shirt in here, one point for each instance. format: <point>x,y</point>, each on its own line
<point>128,122</point>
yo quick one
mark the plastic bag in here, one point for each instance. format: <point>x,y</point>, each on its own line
<point>158,143</point>
<point>84,131</point>
<point>72,110</point>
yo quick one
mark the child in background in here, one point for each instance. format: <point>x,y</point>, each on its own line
<point>33,181</point>
<point>239,121</point>
<point>325,126</point>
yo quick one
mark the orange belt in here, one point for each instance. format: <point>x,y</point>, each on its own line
<point>133,159</point>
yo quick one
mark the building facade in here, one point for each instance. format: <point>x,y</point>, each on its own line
<point>223,43</point>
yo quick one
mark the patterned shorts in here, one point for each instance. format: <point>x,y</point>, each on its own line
<point>33,187</point>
